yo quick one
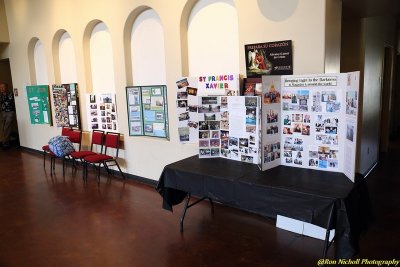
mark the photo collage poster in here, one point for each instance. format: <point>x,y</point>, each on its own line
<point>102,112</point>
<point>319,119</point>
<point>39,105</point>
<point>189,89</point>
<point>271,122</point>
<point>66,105</point>
<point>229,128</point>
<point>147,111</point>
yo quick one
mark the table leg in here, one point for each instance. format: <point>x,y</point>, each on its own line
<point>184,210</point>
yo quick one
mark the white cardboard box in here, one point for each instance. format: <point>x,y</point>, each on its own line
<point>303,228</point>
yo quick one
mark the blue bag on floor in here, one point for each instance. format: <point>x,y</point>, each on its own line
<point>61,146</point>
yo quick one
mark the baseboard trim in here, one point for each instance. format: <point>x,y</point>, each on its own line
<point>139,179</point>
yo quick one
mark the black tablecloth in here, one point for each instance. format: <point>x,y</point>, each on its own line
<point>308,195</point>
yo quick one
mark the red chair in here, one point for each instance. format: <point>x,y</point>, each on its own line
<point>96,146</point>
<point>75,136</point>
<point>110,155</point>
<point>46,149</point>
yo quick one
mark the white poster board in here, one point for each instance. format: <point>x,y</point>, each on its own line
<point>188,91</point>
<point>229,127</point>
<point>319,121</point>
<point>102,112</point>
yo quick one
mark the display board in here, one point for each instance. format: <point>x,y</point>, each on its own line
<point>38,103</point>
<point>147,110</point>
<point>273,58</point>
<point>102,112</point>
<point>66,105</point>
<point>229,127</point>
<point>316,121</point>
<point>187,102</point>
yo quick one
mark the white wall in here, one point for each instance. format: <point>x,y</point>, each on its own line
<point>301,21</point>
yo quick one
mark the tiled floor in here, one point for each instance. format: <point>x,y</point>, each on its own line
<point>58,221</point>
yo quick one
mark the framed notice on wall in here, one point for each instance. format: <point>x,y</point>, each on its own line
<point>39,105</point>
<point>147,111</point>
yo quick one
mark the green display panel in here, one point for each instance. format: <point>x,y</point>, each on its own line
<point>39,105</point>
<point>147,110</point>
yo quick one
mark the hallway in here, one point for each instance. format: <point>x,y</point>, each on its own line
<point>58,221</point>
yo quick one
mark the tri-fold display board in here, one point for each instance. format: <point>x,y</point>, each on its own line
<point>306,121</point>
<point>310,121</point>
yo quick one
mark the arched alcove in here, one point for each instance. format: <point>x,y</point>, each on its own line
<point>39,63</point>
<point>64,58</point>
<point>210,37</point>
<point>101,59</point>
<point>31,59</point>
<point>147,49</point>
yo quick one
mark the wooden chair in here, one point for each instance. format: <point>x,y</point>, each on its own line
<point>46,149</point>
<point>108,158</point>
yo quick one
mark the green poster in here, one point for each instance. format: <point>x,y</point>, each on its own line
<point>39,105</point>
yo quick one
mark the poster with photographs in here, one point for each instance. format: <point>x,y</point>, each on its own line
<point>229,127</point>
<point>318,130</point>
<point>352,102</point>
<point>38,103</point>
<point>147,110</point>
<point>189,89</point>
<point>271,122</point>
<point>66,105</point>
<point>102,112</point>
<point>273,58</point>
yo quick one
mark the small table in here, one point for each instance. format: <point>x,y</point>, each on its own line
<point>327,199</point>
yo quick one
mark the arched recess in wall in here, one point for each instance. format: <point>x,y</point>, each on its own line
<point>98,58</point>
<point>209,37</point>
<point>37,62</point>
<point>148,50</point>
<point>64,58</point>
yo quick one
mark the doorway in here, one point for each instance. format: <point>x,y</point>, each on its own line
<point>386,108</point>
<point>5,76</point>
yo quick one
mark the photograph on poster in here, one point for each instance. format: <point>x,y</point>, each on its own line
<point>225,115</point>
<point>214,142</point>
<point>203,125</point>
<point>317,99</point>
<point>287,120</point>
<point>225,125</point>
<point>247,159</point>
<point>148,128</point>
<point>213,125</point>
<point>184,116</point>
<point>297,128</point>
<point>272,116</point>
<point>209,117</point>
<point>204,134</point>
<point>191,91</point>
<point>233,141</point>
<point>272,95</point>
<point>215,134</point>
<point>226,153</point>
<point>250,101</point>
<point>192,108</point>
<point>181,95</point>
<point>183,134</point>
<point>297,117</point>
<point>181,103</point>
<point>305,130</point>
<point>209,108</point>
<point>287,130</point>
<point>207,100</point>
<point>249,89</point>
<point>157,103</point>
<point>182,83</point>
<point>224,135</point>
<point>251,115</point>
<point>351,103</point>
<point>350,132</point>
<point>205,152</point>
<point>272,129</point>
<point>225,144</point>
<point>250,128</point>
<point>193,124</point>
<point>204,143</point>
